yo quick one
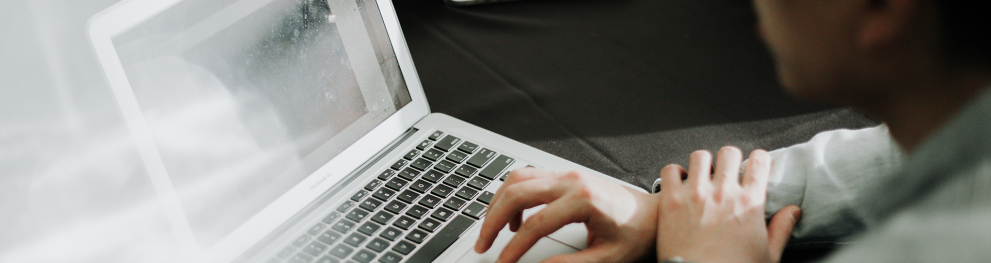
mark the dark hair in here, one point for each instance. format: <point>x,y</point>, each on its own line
<point>967,26</point>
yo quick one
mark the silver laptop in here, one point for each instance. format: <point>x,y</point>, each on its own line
<point>298,131</point>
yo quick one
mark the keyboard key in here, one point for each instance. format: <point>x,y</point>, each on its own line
<point>444,166</point>
<point>430,201</point>
<point>396,183</point>
<point>468,147</point>
<point>482,157</point>
<point>363,256</point>
<point>404,222</point>
<point>370,204</point>
<point>409,174</point>
<point>411,155</point>
<point>442,240</point>
<point>478,183</point>
<point>382,217</point>
<point>391,233</point>
<point>433,154</point>
<point>467,193</point>
<point>345,206</point>
<point>390,258</point>
<point>495,168</point>
<point>356,215</point>
<point>301,240</point>
<point>421,186</point>
<point>457,157</point>
<point>343,226</point>
<point>485,197</point>
<point>447,143</point>
<point>436,135</point>
<point>316,229</point>
<point>454,181</point>
<point>341,251</point>
<point>417,236</point>
<point>475,210</point>
<point>383,194</point>
<point>331,217</point>
<point>329,237</point>
<point>315,248</point>
<point>421,164</point>
<point>355,239</point>
<point>424,145</point>
<point>404,248</point>
<point>373,184</point>
<point>286,252</point>
<point>399,164</point>
<point>360,194</point>
<point>408,196</point>
<point>377,245</point>
<point>385,175</point>
<point>416,211</point>
<point>300,258</point>
<point>433,176</point>
<point>504,176</point>
<point>327,259</point>
<point>442,190</point>
<point>455,203</point>
<point>442,214</point>
<point>466,170</point>
<point>369,228</point>
<point>395,207</point>
<point>429,225</point>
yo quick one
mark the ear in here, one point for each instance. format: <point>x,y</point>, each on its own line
<point>885,21</point>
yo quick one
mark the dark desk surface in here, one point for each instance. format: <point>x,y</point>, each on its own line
<point>621,86</point>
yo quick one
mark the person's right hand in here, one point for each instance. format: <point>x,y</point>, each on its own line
<point>621,221</point>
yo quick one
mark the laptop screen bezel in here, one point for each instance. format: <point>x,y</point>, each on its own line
<point>129,13</point>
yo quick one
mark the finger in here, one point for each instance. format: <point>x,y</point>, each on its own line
<point>728,167</point>
<point>671,177</point>
<point>699,168</point>
<point>756,174</point>
<point>556,215</point>
<point>779,229</point>
<point>516,221</point>
<point>520,175</point>
<point>592,254</point>
<point>516,198</point>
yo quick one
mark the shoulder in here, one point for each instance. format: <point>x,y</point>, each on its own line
<point>959,235</point>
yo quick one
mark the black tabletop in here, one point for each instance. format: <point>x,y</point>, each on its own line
<point>622,87</point>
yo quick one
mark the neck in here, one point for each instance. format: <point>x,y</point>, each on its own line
<point>918,107</point>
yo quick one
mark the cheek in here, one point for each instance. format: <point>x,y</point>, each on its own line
<point>800,68</point>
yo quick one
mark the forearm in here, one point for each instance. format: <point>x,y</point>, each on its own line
<point>827,177</point>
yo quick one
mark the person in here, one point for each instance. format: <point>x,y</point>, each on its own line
<point>917,188</point>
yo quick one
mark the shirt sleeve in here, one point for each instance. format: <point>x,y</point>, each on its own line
<point>825,177</point>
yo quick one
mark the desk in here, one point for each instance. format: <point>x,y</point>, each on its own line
<point>624,87</point>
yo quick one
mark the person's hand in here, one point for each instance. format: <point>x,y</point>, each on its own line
<point>713,217</point>
<point>621,222</point>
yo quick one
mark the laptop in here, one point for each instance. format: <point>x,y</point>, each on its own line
<point>298,131</point>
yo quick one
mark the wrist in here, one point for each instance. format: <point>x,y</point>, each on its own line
<point>675,259</point>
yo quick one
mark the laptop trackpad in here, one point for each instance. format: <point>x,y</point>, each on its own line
<point>544,248</point>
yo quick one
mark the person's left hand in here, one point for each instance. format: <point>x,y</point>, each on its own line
<point>621,222</point>
<point>721,219</point>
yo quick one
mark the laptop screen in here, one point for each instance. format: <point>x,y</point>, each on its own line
<point>247,98</point>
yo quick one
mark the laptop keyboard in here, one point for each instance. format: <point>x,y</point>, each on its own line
<point>423,202</point>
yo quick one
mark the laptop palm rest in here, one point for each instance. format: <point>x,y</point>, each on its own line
<point>544,248</point>
<point>570,238</point>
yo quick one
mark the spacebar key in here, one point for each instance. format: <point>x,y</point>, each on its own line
<point>433,248</point>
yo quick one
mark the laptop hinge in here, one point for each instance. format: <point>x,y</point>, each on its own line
<point>312,206</point>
